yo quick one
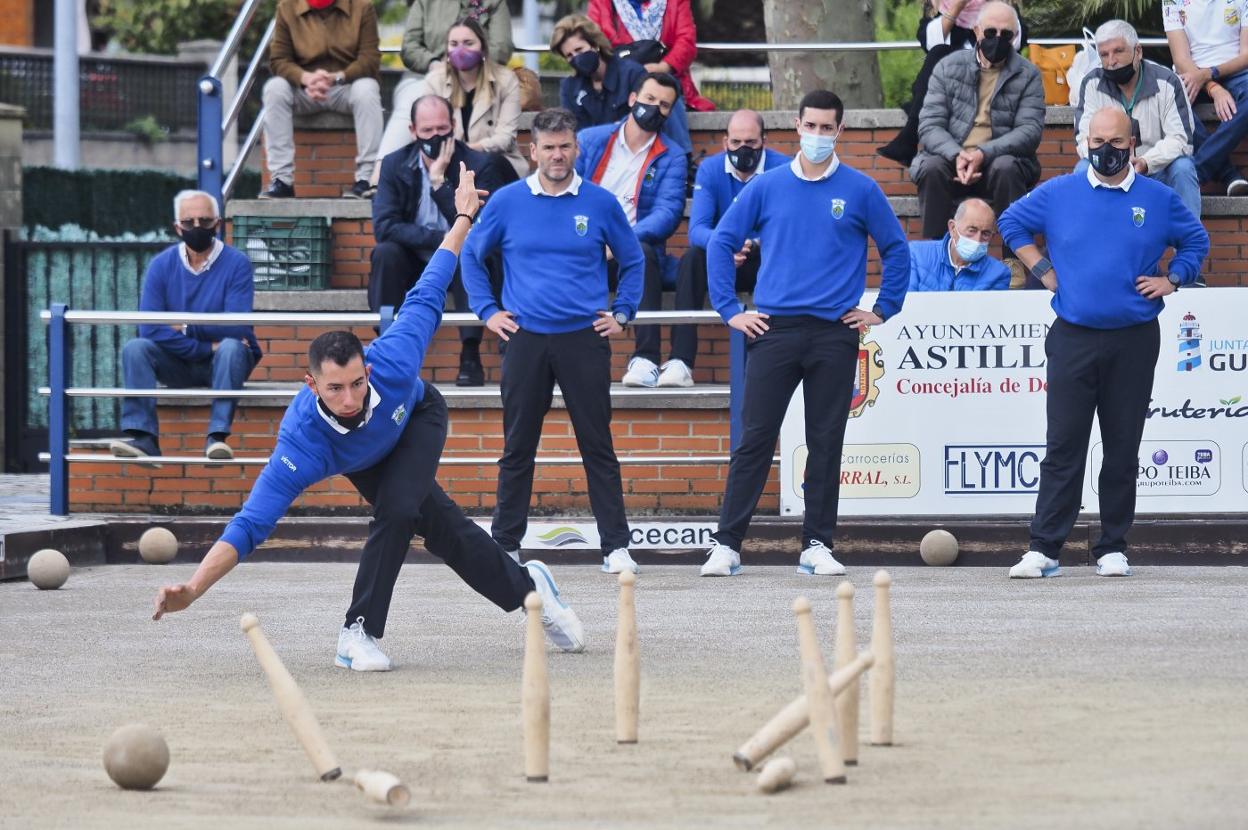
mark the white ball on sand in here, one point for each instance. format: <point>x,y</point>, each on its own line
<point>939,547</point>
<point>136,757</point>
<point>158,545</point>
<point>48,569</point>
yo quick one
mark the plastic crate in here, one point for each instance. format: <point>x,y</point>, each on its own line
<point>287,253</point>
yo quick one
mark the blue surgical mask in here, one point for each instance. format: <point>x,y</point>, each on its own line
<point>969,249</point>
<point>817,148</point>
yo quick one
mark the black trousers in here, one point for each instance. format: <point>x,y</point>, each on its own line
<point>407,502</point>
<point>580,362</point>
<point>646,339</point>
<point>691,292</point>
<point>823,355</point>
<point>1007,179</point>
<point>395,269</point>
<point>1109,372</point>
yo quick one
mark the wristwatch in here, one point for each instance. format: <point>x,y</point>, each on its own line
<point>1175,280</point>
<point>1041,268</point>
<point>340,78</point>
<point>621,318</point>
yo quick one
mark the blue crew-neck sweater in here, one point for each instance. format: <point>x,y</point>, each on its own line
<point>226,286</point>
<point>310,449</point>
<point>1101,240</point>
<point>814,241</point>
<point>714,190</point>
<point>554,268</point>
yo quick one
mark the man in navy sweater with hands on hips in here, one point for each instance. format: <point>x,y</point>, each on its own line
<point>369,416</point>
<point>813,218</point>
<point>1106,232</point>
<point>553,229</point>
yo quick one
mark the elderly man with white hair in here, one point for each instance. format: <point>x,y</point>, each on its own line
<point>980,124</point>
<point>199,274</point>
<point>1154,99</point>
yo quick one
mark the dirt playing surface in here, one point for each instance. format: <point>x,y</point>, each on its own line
<point>1072,702</point>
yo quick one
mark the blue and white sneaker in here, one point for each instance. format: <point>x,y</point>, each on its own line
<point>358,650</point>
<point>722,561</point>
<point>641,372</point>
<point>1035,565</point>
<point>817,560</point>
<point>1113,564</point>
<point>563,627</point>
<point>618,561</point>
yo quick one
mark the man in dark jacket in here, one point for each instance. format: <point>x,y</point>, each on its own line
<point>980,124</point>
<point>414,206</point>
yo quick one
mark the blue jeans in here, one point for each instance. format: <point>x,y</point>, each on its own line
<point>1179,175</point>
<point>1213,150</point>
<point>144,363</point>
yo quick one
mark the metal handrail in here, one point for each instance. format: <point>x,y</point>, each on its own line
<point>249,78</point>
<point>227,187</point>
<point>446,461</point>
<point>311,318</point>
<point>235,38</point>
<point>292,388</point>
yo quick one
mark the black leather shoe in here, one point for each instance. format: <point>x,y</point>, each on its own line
<point>278,189</point>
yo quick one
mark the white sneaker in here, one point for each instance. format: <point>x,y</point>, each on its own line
<point>722,561</point>
<point>563,627</point>
<point>641,372</point>
<point>618,561</point>
<point>1239,187</point>
<point>1034,565</point>
<point>514,554</point>
<point>358,651</point>
<point>817,560</point>
<point>1113,564</point>
<point>675,373</point>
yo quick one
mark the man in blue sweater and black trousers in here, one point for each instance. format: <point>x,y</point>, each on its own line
<point>369,416</point>
<point>813,218</point>
<point>553,229</point>
<point>1106,232</point>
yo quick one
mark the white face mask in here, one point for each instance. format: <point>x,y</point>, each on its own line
<point>817,148</point>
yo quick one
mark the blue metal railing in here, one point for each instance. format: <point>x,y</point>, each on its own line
<point>59,318</point>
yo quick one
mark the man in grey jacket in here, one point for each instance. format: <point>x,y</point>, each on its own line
<point>980,124</point>
<point>1154,98</point>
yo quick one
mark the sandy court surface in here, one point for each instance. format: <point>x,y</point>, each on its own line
<point>1076,702</point>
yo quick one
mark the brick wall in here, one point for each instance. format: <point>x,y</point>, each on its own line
<point>111,487</point>
<point>17,23</point>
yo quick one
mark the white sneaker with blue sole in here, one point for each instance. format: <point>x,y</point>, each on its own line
<point>358,650</point>
<point>563,627</point>
<point>1035,565</point>
<point>721,560</point>
<point>1113,564</point>
<point>618,561</point>
<point>817,560</point>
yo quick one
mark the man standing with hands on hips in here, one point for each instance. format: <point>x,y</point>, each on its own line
<point>1106,232</point>
<point>553,229</point>
<point>813,218</point>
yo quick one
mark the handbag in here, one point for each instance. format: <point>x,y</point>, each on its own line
<point>642,51</point>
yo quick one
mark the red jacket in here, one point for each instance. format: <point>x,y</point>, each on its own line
<point>678,35</point>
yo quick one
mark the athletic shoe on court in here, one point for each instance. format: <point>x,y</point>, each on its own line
<point>675,373</point>
<point>817,560</point>
<point>721,561</point>
<point>618,561</point>
<point>1034,565</point>
<point>358,651</point>
<point>641,372</point>
<point>1113,564</point>
<point>563,627</point>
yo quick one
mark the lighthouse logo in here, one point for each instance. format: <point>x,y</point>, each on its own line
<point>1189,343</point>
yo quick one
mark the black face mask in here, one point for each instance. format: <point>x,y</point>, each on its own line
<point>198,239</point>
<point>354,422</point>
<point>996,49</point>
<point>585,64</point>
<point>432,146</point>
<point>1109,160</point>
<point>745,158</point>
<point>648,116</point>
<point>1120,75</point>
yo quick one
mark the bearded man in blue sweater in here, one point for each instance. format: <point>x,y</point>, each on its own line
<point>368,415</point>
<point>813,218</point>
<point>1106,231</point>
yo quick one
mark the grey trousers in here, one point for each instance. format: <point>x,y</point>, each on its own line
<point>361,98</point>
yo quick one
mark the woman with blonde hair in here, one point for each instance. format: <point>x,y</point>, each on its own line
<point>485,96</point>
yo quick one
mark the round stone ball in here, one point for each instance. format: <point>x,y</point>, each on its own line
<point>939,547</point>
<point>158,545</point>
<point>136,757</point>
<point>48,569</point>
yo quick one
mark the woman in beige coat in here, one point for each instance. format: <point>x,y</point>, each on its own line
<point>484,95</point>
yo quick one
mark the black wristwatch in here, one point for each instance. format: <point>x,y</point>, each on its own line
<point>1041,268</point>
<point>1175,280</point>
<point>621,318</point>
<point>340,79</point>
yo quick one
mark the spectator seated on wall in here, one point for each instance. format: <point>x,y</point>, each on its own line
<point>960,261</point>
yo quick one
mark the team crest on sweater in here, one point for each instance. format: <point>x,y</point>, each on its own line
<point>582,225</point>
<point>398,414</point>
<point>838,208</point>
<point>1137,216</point>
